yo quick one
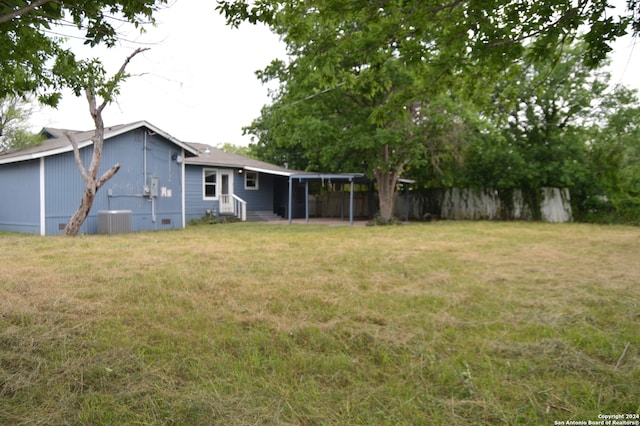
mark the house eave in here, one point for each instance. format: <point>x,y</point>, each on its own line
<point>107,135</point>
<point>327,176</point>
<point>268,171</point>
<point>41,154</point>
<point>144,123</point>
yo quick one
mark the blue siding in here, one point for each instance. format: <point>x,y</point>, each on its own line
<point>196,206</point>
<point>128,184</point>
<point>281,195</point>
<point>142,154</point>
<point>257,199</point>
<point>63,189</point>
<point>64,185</point>
<point>20,195</point>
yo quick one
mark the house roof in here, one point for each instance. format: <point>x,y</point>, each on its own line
<point>59,141</point>
<point>211,156</point>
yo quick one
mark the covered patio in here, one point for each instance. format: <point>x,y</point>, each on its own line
<point>344,179</point>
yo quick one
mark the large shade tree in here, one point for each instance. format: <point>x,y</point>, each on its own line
<point>391,63</point>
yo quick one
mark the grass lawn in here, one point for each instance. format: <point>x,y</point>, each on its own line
<point>440,324</point>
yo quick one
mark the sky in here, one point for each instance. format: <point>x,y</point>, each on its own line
<point>197,82</point>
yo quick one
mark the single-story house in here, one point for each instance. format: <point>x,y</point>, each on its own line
<point>162,183</point>
<point>221,183</point>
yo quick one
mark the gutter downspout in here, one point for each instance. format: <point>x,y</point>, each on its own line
<point>144,160</point>
<point>153,213</point>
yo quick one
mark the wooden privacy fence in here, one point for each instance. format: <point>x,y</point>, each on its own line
<point>470,204</point>
<point>452,203</point>
<point>336,204</point>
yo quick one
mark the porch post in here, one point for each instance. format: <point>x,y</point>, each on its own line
<point>306,200</point>
<point>351,204</point>
<point>407,205</point>
<point>290,198</point>
<point>341,201</point>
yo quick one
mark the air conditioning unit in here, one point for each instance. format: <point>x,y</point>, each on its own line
<point>114,221</point>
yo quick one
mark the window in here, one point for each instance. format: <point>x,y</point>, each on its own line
<point>250,180</point>
<point>209,184</point>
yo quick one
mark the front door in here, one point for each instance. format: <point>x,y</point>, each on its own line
<point>226,191</point>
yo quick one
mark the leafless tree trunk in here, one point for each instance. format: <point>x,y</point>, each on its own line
<point>91,180</point>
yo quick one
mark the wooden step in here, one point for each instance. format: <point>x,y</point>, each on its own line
<point>262,216</point>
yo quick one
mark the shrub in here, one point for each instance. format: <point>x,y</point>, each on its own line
<point>213,220</point>
<point>378,220</point>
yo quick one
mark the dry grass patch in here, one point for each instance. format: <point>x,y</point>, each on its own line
<point>442,323</point>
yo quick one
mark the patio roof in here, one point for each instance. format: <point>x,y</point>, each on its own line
<point>352,178</point>
<point>356,177</point>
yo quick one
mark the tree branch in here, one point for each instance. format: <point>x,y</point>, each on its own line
<point>90,94</point>
<point>118,76</point>
<point>570,13</point>
<point>450,5</point>
<point>19,12</point>
<point>76,156</point>
<point>107,175</point>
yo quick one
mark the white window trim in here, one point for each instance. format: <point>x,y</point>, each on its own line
<point>251,188</point>
<point>204,184</point>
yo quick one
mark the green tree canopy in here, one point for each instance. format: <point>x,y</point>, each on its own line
<point>415,29</point>
<point>542,109</point>
<point>614,156</point>
<point>383,84</point>
<point>14,129</point>
<point>33,58</point>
